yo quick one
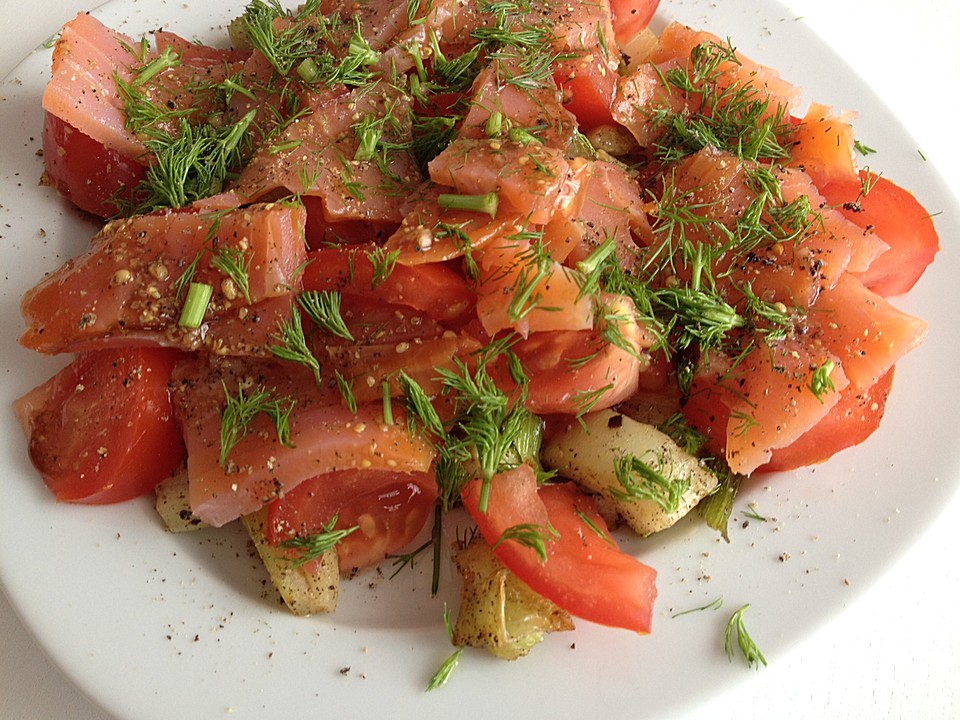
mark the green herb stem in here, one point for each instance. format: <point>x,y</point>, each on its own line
<point>195,306</point>
<point>487,203</point>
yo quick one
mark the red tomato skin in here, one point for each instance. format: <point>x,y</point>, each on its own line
<point>85,172</point>
<point>897,217</point>
<point>585,574</point>
<point>630,17</point>
<point>433,289</point>
<point>588,87</point>
<point>852,421</point>
<point>102,430</point>
<point>388,508</point>
<point>321,233</point>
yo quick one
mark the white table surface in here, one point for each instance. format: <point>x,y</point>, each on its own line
<point>893,653</point>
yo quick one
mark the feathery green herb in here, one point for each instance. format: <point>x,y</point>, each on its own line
<point>345,387</point>
<point>284,39</point>
<point>447,666</point>
<point>715,605</point>
<point>736,117</point>
<point>529,535</point>
<point>737,631</point>
<point>383,263</point>
<point>653,481</point>
<point>323,308</point>
<point>235,264</point>
<point>315,545</point>
<point>431,135</point>
<point>241,409</point>
<point>820,382</point>
<point>191,165</point>
<point>292,344</point>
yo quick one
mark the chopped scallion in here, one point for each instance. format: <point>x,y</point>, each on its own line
<point>195,306</point>
<point>487,203</point>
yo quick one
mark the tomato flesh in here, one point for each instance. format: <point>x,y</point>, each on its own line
<point>388,508</point>
<point>630,17</point>
<point>896,216</point>
<point>853,420</point>
<point>585,573</point>
<point>588,85</point>
<point>83,170</point>
<point>433,289</point>
<point>102,430</point>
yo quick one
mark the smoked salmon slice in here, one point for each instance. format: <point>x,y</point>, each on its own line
<point>128,286</point>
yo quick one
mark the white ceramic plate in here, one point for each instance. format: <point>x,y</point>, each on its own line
<point>152,625</point>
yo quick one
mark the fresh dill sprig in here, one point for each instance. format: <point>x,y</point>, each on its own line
<point>489,426</point>
<point>586,400</point>
<point>682,433</point>
<point>715,605</point>
<point>594,266</point>
<point>529,535</point>
<point>535,268</point>
<point>292,344</point>
<point>287,43</point>
<point>598,531</point>
<point>820,382</point>
<point>701,318</point>
<point>490,431</point>
<point>345,387</point>
<point>241,409</point>
<point>457,74</point>
<point>164,61</point>
<point>421,414</point>
<point>353,68</point>
<point>323,308</point>
<point>183,282</point>
<point>315,545</point>
<point>737,629</point>
<point>431,135</point>
<point>383,263</point>
<point>235,264</point>
<point>191,165</point>
<point>368,131</point>
<point>737,118</point>
<point>447,666</point>
<point>407,559</point>
<point>653,481</point>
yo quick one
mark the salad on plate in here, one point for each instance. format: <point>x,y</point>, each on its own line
<point>374,264</point>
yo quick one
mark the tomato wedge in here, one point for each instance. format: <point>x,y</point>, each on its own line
<point>433,289</point>
<point>852,420</point>
<point>588,86</point>
<point>388,508</point>
<point>102,429</point>
<point>585,573</point>
<point>897,217</point>
<point>630,17</point>
<point>91,176</point>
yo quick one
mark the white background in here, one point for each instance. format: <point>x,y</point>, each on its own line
<point>895,652</point>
